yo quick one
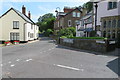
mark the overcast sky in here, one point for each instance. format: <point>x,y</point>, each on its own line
<point>38,8</point>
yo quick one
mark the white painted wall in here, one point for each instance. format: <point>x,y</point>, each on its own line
<point>104,12</point>
<point>0,29</point>
<point>35,31</point>
<point>6,27</point>
<point>30,30</point>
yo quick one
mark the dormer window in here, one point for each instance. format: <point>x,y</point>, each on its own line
<point>15,24</point>
<point>74,14</point>
<point>78,14</point>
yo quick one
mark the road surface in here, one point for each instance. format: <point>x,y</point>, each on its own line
<point>45,59</point>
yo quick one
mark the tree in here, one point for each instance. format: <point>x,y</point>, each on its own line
<point>46,22</point>
<point>88,6</point>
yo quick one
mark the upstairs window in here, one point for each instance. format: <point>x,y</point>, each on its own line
<point>74,14</point>
<point>15,24</point>
<point>78,14</point>
<point>69,23</point>
<point>112,5</point>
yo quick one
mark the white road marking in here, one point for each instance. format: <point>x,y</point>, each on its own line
<point>102,56</point>
<point>28,60</point>
<point>68,67</point>
<point>9,62</point>
<point>50,49</point>
<point>18,60</point>
<point>1,64</point>
<point>53,48</point>
<point>12,65</point>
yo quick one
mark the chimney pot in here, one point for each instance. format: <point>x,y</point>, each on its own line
<point>23,10</point>
<point>29,14</point>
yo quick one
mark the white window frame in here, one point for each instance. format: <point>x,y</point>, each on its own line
<point>78,14</point>
<point>74,14</point>
<point>15,24</point>
<point>69,21</point>
<point>14,36</point>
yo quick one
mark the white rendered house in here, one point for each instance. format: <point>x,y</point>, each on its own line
<point>15,25</point>
<point>108,18</point>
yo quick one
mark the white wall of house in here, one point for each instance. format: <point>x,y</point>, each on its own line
<point>36,31</point>
<point>29,32</point>
<point>7,25</point>
<point>0,29</point>
<point>104,12</point>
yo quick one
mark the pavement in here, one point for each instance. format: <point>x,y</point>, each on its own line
<point>45,59</point>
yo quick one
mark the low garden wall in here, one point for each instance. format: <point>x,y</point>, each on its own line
<point>98,45</point>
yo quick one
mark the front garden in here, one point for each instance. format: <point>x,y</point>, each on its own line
<point>8,43</point>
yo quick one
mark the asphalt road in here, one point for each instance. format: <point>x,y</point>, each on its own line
<point>45,59</point>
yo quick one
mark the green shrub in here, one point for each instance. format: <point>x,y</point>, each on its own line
<point>48,32</point>
<point>63,37</point>
<point>68,32</point>
<point>92,33</point>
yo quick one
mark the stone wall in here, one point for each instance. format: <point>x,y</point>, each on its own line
<point>89,44</point>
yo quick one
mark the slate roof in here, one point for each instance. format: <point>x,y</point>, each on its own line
<point>26,18</point>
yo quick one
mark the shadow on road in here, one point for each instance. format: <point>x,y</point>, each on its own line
<point>114,65</point>
<point>45,38</point>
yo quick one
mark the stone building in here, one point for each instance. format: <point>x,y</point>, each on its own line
<point>68,18</point>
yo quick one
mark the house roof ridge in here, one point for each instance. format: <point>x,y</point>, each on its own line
<point>25,17</point>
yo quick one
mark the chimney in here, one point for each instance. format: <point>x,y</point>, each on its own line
<point>23,10</point>
<point>68,9</point>
<point>29,14</point>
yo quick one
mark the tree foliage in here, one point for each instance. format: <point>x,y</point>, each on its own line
<point>88,6</point>
<point>68,32</point>
<point>46,22</point>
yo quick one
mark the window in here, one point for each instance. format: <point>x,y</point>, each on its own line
<point>69,23</point>
<point>15,24</point>
<point>112,5</point>
<point>74,14</point>
<point>109,33</point>
<point>104,24</point>
<point>114,23</point>
<point>14,36</point>
<point>77,22</point>
<point>118,25</point>
<point>109,23</point>
<point>82,23</point>
<point>78,14</point>
<point>113,35</point>
<point>31,35</point>
<point>28,34</point>
<point>104,33</point>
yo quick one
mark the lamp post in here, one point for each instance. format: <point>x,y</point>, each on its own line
<point>57,15</point>
<point>96,6</point>
<point>57,10</point>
